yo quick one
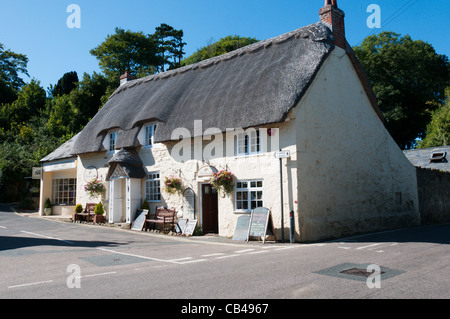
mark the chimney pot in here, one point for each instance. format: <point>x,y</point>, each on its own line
<point>126,77</point>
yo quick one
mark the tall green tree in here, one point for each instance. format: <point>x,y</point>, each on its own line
<point>409,80</point>
<point>438,130</point>
<point>170,46</point>
<point>12,65</point>
<point>30,102</point>
<point>213,49</point>
<point>66,83</point>
<point>69,113</point>
<point>127,51</point>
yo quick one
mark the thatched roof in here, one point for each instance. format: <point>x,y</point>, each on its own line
<point>129,162</point>
<point>255,85</point>
<point>65,151</point>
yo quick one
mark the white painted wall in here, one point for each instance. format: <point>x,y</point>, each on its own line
<point>343,175</point>
<point>349,167</point>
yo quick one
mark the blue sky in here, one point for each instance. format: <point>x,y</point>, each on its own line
<point>39,30</point>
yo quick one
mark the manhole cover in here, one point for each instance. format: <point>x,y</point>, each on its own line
<point>358,272</point>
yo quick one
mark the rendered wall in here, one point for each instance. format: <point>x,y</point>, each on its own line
<point>352,176</point>
<point>163,158</point>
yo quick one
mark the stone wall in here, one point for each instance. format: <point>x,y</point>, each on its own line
<point>434,195</point>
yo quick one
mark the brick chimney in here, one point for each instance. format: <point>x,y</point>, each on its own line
<point>127,77</point>
<point>331,15</point>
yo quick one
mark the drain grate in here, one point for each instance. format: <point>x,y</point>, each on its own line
<point>358,272</point>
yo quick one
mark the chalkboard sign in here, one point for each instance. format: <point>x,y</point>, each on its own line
<point>190,227</point>
<point>261,224</point>
<point>140,219</point>
<point>189,203</point>
<point>241,230</point>
<point>181,225</point>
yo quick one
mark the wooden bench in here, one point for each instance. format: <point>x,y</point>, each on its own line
<point>87,214</point>
<point>163,216</point>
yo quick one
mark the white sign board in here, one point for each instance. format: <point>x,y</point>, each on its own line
<point>36,173</point>
<point>282,154</point>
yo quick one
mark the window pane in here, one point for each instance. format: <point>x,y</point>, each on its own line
<point>152,187</point>
<point>64,191</point>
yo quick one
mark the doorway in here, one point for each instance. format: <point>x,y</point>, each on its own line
<point>116,200</point>
<point>210,209</point>
<point>124,199</point>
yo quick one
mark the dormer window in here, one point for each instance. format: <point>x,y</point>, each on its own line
<point>149,135</point>
<point>248,143</point>
<point>438,157</point>
<point>112,141</point>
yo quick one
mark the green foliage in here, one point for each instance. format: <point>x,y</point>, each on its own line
<point>48,204</point>
<point>78,208</point>
<point>223,182</point>
<point>170,46</point>
<point>30,102</point>
<point>126,51</point>
<point>99,209</point>
<point>173,185</point>
<point>69,113</point>
<point>95,188</point>
<point>66,84</point>
<point>408,78</point>
<point>224,45</point>
<point>438,130</point>
<point>11,66</point>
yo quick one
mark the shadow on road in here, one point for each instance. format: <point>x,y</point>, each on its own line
<point>12,242</point>
<point>438,234</point>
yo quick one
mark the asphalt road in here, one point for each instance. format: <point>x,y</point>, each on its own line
<point>42,259</point>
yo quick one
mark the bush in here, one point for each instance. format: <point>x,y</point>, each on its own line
<point>78,208</point>
<point>48,204</point>
<point>99,209</point>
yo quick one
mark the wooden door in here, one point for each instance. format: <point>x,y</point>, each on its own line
<point>210,210</point>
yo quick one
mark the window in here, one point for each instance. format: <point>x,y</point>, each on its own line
<point>64,191</point>
<point>112,141</point>
<point>438,157</point>
<point>249,195</point>
<point>248,143</point>
<point>152,187</point>
<point>149,134</point>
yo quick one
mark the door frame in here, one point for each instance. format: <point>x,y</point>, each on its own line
<point>200,185</point>
<point>115,185</point>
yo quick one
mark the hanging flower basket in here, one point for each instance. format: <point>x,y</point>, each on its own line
<point>223,182</point>
<point>95,188</point>
<point>173,185</point>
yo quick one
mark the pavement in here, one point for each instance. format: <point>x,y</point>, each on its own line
<point>213,238</point>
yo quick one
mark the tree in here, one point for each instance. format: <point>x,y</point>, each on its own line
<point>30,102</point>
<point>409,80</point>
<point>11,65</point>
<point>66,84</point>
<point>69,113</point>
<point>213,49</point>
<point>438,130</point>
<point>127,51</point>
<point>170,45</point>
